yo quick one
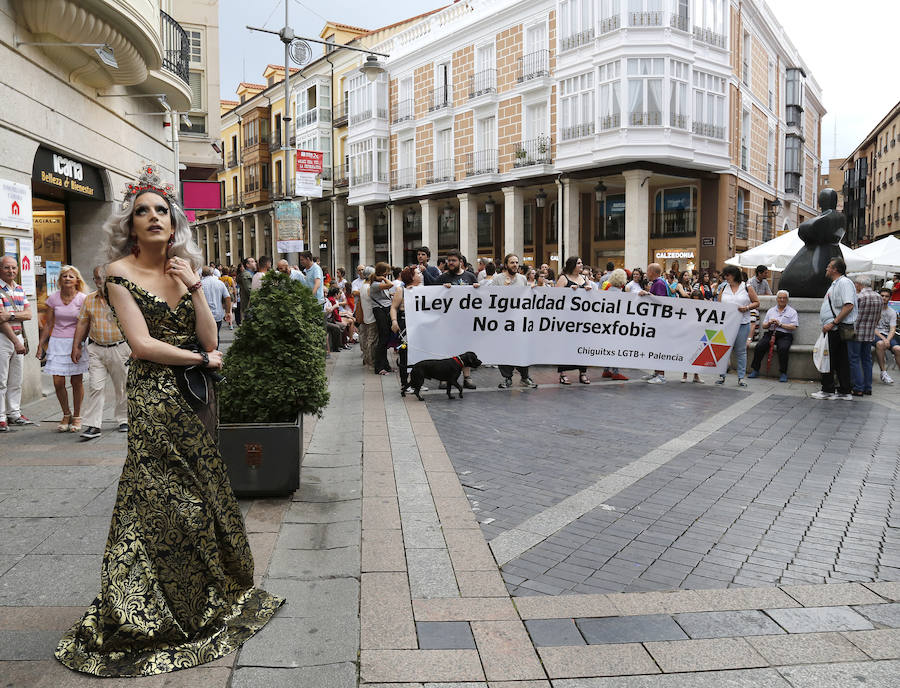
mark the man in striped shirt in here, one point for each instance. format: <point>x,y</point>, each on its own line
<point>859,350</point>
<point>14,310</point>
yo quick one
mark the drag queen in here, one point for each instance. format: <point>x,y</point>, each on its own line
<point>176,583</point>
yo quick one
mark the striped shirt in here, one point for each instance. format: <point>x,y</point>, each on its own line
<point>104,328</point>
<point>13,299</point>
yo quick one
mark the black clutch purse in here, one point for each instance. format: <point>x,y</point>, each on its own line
<point>195,383</point>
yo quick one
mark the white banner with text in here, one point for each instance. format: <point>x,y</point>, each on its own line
<point>553,326</point>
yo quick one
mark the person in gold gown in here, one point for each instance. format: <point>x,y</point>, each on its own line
<point>176,583</point>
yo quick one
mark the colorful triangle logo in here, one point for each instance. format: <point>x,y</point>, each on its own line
<point>720,351</point>
<point>705,358</point>
<point>720,338</point>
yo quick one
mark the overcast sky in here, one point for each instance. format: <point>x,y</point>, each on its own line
<point>850,48</point>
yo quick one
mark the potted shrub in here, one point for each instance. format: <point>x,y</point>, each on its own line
<point>274,374</point>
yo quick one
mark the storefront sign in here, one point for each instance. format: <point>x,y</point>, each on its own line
<point>26,266</point>
<point>288,227</point>
<point>15,205</point>
<point>67,174</point>
<point>521,326</point>
<point>675,254</point>
<point>308,175</point>
<point>707,241</point>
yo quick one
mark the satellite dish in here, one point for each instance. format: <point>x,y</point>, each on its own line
<point>300,52</point>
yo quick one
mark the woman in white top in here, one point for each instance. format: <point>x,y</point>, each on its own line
<point>744,297</point>
<point>636,284</point>
<point>368,330</point>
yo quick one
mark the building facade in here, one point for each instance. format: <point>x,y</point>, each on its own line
<point>677,131</point>
<point>871,190</point>
<point>76,125</point>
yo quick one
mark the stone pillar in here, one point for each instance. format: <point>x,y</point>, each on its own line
<point>513,222</point>
<point>468,224</point>
<point>223,233</point>
<point>637,219</point>
<point>208,246</point>
<point>568,237</point>
<point>312,229</point>
<point>430,226</point>
<point>247,243</point>
<point>258,235</point>
<point>396,236</point>
<point>339,236</point>
<point>272,248</point>
<point>366,238</point>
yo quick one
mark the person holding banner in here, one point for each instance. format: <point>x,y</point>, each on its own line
<point>744,297</point>
<point>616,282</point>
<point>411,277</point>
<point>457,275</point>
<point>511,277</point>
<point>573,278</point>
<point>379,289</point>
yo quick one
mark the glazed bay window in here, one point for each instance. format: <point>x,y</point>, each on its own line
<point>369,161</point>
<point>793,97</point>
<point>576,23</point>
<point>368,99</point>
<point>645,12</point>
<point>645,88</point>
<point>678,94</point>
<point>709,105</point>
<point>793,170</point>
<point>610,95</point>
<point>577,105</point>
<point>610,15</point>
<point>313,104</point>
<point>709,19</point>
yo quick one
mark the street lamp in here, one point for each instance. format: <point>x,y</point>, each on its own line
<point>599,192</point>
<point>489,206</point>
<point>448,211</point>
<point>540,200</point>
<point>410,216</point>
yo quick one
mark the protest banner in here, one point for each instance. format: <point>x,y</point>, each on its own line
<point>522,326</point>
<point>288,218</point>
<point>308,175</point>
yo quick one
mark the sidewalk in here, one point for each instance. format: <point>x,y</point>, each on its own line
<point>392,576</point>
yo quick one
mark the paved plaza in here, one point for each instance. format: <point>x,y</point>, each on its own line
<point>611,535</point>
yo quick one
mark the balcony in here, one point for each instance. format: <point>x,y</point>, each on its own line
<point>575,40</point>
<point>403,179</point>
<point>440,98</point>
<point>533,152</point>
<point>314,116</point>
<point>709,37</point>
<point>341,176</point>
<point>710,130</point>
<point>534,65</point>
<point>368,177</point>
<point>275,141</point>
<point>610,122</point>
<point>276,190</point>
<point>234,201</point>
<point>176,47</point>
<point>481,162</point>
<point>673,223</point>
<point>766,229</point>
<point>483,82</point>
<point>742,224</point>
<point>232,159</point>
<point>577,131</point>
<point>339,115</point>
<point>654,18</point>
<point>608,24</point>
<point>676,21</point>
<point>405,111</point>
<point>678,121</point>
<point>645,119</point>
<point>439,171</point>
<point>367,114</point>
<point>745,157</point>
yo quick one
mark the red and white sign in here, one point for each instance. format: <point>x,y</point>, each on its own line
<point>15,205</point>
<point>308,173</point>
<point>26,265</point>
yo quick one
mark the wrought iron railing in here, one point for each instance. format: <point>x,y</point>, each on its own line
<point>483,82</point>
<point>176,47</point>
<point>577,131</point>
<point>440,98</point>
<point>339,115</point>
<point>574,40</point>
<point>676,21</point>
<point>745,157</point>
<point>612,23</point>
<point>310,117</point>
<point>403,178</point>
<point>439,171</point>
<point>674,223</point>
<point>766,229</point>
<point>610,121</point>
<point>678,121</point>
<point>481,162</point>
<point>710,130</point>
<point>232,159</point>
<point>533,152</point>
<point>742,224</point>
<point>275,141</point>
<point>534,65</point>
<point>368,113</point>
<point>645,119</point>
<point>405,111</point>
<point>653,18</point>
<point>708,36</point>
<point>341,176</point>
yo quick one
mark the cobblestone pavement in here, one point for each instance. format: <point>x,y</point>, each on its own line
<point>655,537</point>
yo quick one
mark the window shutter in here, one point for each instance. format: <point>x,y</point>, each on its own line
<point>196,83</point>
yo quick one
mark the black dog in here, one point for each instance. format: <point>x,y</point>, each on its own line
<point>443,369</point>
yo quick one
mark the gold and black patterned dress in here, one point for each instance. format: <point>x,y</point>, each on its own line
<point>176,584</point>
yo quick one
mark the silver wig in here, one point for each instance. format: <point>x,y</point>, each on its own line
<point>118,232</point>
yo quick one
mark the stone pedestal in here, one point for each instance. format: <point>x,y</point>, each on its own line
<point>800,364</point>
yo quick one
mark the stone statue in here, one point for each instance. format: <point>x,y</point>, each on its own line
<point>805,274</point>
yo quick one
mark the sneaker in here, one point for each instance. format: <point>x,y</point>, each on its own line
<point>741,382</point>
<point>619,376</point>
<point>843,397</point>
<point>657,380</point>
<point>698,380</point>
<point>123,427</point>
<point>782,377</point>
<point>648,377</point>
<point>607,373</point>
<point>90,433</point>
<point>528,382</point>
<point>886,379</point>
<point>21,420</point>
<point>3,426</point>
<point>822,395</point>
<point>506,384</point>
<point>468,384</point>
<point>721,380</point>
<point>753,374</point>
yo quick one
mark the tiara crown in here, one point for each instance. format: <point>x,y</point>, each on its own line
<point>149,180</point>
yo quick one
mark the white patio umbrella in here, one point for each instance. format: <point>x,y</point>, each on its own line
<point>778,252</point>
<point>884,254</point>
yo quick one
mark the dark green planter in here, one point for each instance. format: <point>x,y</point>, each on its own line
<point>263,460</point>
